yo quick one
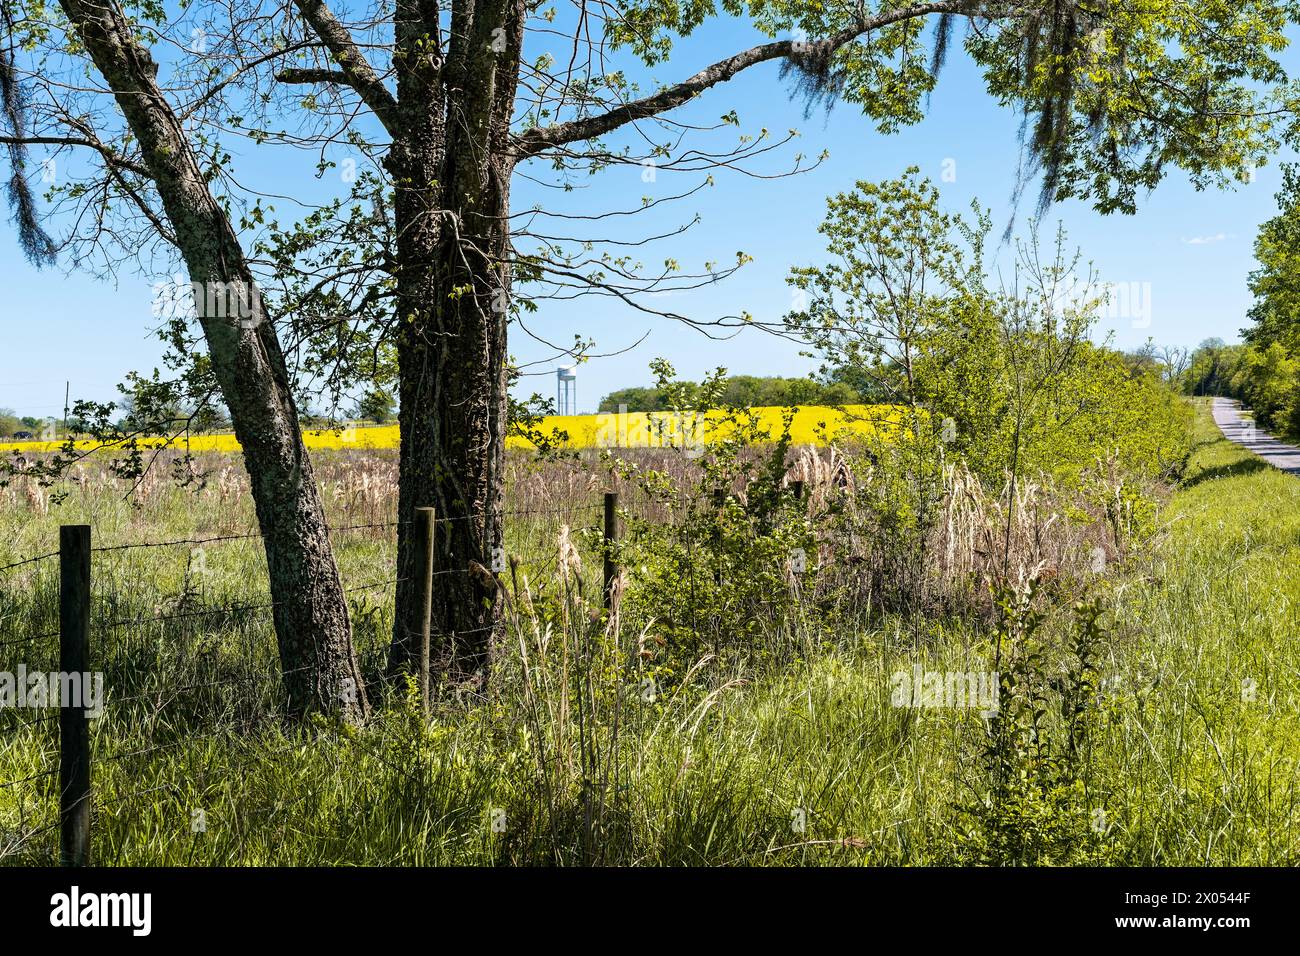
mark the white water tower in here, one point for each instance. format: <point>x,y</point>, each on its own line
<point>566,390</point>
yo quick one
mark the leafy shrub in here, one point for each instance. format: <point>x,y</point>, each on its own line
<point>1035,806</point>
<point>724,567</point>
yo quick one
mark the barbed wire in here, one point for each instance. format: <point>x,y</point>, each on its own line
<point>180,688</point>
<point>26,561</point>
<point>181,615</point>
<point>377,584</point>
<point>108,804</point>
<point>252,746</point>
<point>139,545</point>
<point>228,537</point>
<point>29,639</point>
<point>35,776</point>
<point>192,738</point>
<point>568,509</point>
<point>32,722</point>
<point>280,674</point>
<point>225,735</point>
<point>126,755</point>
<point>236,609</point>
<point>245,536</point>
<point>227,608</point>
<point>234,679</point>
<point>332,530</point>
<point>362,527</point>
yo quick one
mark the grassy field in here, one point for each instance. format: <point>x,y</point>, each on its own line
<point>797,757</point>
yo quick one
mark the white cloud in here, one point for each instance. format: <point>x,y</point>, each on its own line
<point>1206,240</point>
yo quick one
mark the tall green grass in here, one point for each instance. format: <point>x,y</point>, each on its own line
<point>805,761</point>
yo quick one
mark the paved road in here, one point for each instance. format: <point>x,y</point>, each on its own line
<point>1227,415</point>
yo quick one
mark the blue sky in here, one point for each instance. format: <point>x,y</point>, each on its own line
<point>1193,248</point>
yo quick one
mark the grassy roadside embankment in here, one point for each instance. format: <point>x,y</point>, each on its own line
<point>1208,655</point>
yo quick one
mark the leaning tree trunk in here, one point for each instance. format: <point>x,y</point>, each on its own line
<point>453,292</point>
<point>310,608</point>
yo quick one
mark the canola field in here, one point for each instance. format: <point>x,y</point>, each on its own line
<point>811,425</point>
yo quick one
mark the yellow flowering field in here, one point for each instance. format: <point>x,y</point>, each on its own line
<point>812,425</point>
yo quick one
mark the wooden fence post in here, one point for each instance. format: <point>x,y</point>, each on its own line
<point>611,536</point>
<point>74,658</point>
<point>426,522</point>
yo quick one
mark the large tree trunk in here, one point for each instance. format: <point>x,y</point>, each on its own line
<point>310,613</point>
<point>453,452</point>
<point>453,294</point>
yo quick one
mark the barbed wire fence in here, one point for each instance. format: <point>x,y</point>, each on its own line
<point>97,637</point>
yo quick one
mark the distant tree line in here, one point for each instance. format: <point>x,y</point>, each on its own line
<point>744,391</point>
<point>1265,377</point>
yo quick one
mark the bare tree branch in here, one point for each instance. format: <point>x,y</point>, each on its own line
<point>309,75</point>
<point>111,157</point>
<point>536,140</point>
<point>355,71</point>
